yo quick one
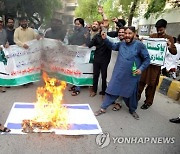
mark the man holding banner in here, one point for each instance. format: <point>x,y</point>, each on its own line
<point>23,34</point>
<point>151,75</point>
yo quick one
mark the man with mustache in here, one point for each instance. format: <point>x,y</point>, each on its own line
<point>10,31</point>
<point>150,76</point>
<point>117,106</point>
<point>124,81</point>
<point>24,33</point>
<point>102,56</point>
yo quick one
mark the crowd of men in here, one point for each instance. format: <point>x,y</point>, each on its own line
<point>124,83</point>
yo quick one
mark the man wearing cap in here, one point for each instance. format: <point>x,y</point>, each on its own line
<point>150,76</point>
<point>24,33</point>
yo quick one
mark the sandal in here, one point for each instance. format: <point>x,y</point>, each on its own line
<point>116,107</point>
<point>135,115</point>
<point>4,129</point>
<point>2,89</point>
<point>75,93</point>
<point>99,112</point>
<point>92,94</point>
<point>72,88</point>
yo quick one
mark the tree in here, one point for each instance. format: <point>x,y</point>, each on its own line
<point>158,6</point>
<point>127,9</point>
<point>111,8</point>
<point>87,9</point>
<point>132,11</point>
<point>154,7</point>
<point>36,10</point>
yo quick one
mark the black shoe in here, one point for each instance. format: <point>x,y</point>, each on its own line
<point>101,93</point>
<point>145,106</point>
<point>175,120</point>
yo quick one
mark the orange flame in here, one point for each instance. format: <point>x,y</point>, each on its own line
<point>48,107</point>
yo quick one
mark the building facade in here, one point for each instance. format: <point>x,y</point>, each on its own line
<point>66,14</point>
<point>172,15</point>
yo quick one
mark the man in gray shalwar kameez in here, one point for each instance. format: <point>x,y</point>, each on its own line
<point>124,81</point>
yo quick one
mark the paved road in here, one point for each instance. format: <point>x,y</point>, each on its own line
<point>153,123</point>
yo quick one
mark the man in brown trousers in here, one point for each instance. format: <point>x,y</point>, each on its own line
<point>151,75</point>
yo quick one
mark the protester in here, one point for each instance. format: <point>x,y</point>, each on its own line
<point>175,60</point>
<point>150,76</point>
<point>102,56</point>
<point>23,34</point>
<point>170,65</point>
<point>10,31</point>
<point>57,30</point>
<point>124,81</point>
<point>4,43</point>
<point>80,36</point>
<point>89,26</point>
<point>120,38</point>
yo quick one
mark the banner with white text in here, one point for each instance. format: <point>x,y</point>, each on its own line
<point>20,66</point>
<point>157,48</point>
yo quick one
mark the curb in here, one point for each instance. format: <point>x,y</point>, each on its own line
<point>169,87</point>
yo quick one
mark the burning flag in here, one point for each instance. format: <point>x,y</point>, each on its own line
<point>49,111</point>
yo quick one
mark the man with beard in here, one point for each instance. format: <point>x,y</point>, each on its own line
<point>151,75</point>
<point>80,37</point>
<point>117,106</point>
<point>102,56</point>
<point>124,81</point>
<point>95,28</point>
<point>57,30</point>
<point>24,33</point>
<point>10,31</point>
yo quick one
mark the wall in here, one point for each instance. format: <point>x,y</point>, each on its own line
<point>145,27</point>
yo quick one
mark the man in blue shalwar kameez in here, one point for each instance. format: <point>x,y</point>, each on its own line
<point>124,82</point>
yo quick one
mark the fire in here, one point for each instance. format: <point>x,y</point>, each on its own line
<point>50,113</point>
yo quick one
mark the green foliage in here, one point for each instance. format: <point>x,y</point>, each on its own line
<point>154,7</point>
<point>42,8</point>
<point>111,8</point>
<point>88,10</point>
